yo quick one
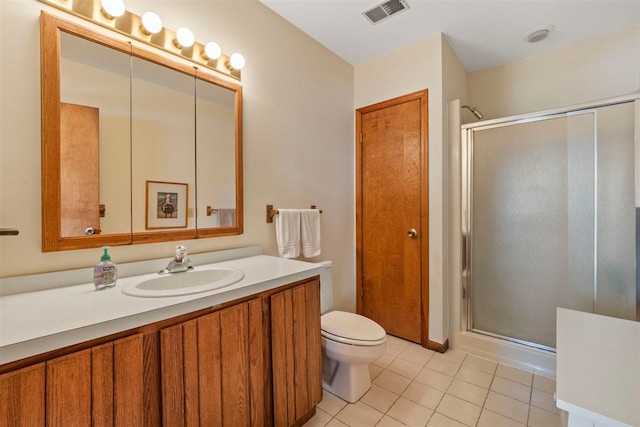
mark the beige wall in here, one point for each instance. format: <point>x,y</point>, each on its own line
<point>454,90</point>
<point>298,134</point>
<point>410,69</point>
<point>594,69</point>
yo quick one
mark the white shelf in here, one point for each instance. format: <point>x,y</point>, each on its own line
<point>598,369</point>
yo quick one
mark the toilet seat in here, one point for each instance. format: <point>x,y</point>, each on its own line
<point>351,328</point>
<point>344,340</point>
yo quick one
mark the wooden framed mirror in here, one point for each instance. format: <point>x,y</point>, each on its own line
<point>121,126</point>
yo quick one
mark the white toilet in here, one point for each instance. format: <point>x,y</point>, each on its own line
<point>349,343</point>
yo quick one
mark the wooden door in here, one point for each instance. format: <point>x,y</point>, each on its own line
<point>22,397</point>
<point>392,215</point>
<point>296,353</point>
<point>79,169</point>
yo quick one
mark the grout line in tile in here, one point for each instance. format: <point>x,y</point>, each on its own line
<point>489,390</point>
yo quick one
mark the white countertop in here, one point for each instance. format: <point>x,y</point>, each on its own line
<point>598,368</point>
<point>35,322</point>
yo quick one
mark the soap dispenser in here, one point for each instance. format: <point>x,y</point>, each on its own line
<point>105,273</point>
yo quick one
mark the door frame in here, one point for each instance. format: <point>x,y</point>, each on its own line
<point>422,96</point>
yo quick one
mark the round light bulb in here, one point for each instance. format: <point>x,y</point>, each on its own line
<point>184,38</point>
<point>151,22</point>
<point>212,50</point>
<point>113,8</point>
<point>236,61</point>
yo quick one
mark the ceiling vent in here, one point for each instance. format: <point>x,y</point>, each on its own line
<point>385,10</point>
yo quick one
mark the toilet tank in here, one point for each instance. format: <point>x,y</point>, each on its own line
<point>326,287</point>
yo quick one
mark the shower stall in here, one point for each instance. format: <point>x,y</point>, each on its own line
<point>550,206</point>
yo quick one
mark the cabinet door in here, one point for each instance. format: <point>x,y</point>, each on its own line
<point>117,383</point>
<point>100,386</point>
<point>296,352</point>
<point>68,390</point>
<point>22,397</point>
<point>212,369</point>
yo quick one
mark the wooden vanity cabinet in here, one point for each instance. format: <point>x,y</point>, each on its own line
<point>255,362</point>
<point>218,369</point>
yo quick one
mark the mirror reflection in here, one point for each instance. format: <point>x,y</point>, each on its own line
<point>137,147</point>
<point>163,141</point>
<point>215,118</point>
<point>94,138</point>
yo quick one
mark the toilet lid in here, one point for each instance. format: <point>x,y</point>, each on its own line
<point>351,326</point>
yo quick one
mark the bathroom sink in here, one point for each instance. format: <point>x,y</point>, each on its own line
<point>189,282</point>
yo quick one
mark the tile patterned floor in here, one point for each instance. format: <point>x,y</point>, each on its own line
<point>413,386</point>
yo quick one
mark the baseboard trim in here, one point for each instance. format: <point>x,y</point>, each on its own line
<point>436,346</point>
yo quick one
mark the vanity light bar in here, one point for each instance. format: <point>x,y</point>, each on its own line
<point>131,25</point>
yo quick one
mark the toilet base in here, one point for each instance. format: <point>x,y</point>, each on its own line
<point>347,381</point>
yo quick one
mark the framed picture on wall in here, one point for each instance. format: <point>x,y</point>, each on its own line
<point>166,205</point>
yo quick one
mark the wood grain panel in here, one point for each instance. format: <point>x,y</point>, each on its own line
<point>171,367</point>
<point>50,130</point>
<point>391,204</point>
<point>289,356</point>
<point>191,388</point>
<point>22,397</point>
<point>257,372</point>
<point>235,366</point>
<point>279,359</point>
<point>268,377</point>
<point>209,365</point>
<point>102,385</point>
<point>68,390</point>
<point>128,381</point>
<point>151,380</point>
<point>299,352</point>
<point>314,342</point>
<point>79,169</point>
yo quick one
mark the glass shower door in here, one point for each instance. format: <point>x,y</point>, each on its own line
<point>550,222</point>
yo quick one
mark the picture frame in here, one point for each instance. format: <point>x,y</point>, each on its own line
<point>166,205</point>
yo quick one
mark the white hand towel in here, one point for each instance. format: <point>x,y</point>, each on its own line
<point>288,232</point>
<point>226,217</point>
<point>310,221</point>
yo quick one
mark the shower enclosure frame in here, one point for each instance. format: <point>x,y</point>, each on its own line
<point>466,156</point>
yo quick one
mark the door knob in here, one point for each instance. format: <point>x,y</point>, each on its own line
<point>412,233</point>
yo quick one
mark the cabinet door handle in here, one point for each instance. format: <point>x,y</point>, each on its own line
<point>412,233</point>
<point>90,231</point>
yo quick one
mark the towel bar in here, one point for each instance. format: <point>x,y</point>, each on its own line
<point>271,212</point>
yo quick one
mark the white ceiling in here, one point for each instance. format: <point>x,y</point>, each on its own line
<point>483,33</point>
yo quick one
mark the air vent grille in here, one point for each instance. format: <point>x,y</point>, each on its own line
<point>385,10</point>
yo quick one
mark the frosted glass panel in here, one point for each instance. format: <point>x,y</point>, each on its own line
<point>553,222</point>
<point>616,290</point>
<point>532,225</point>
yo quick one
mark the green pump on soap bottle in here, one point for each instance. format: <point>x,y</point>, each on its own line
<point>105,273</point>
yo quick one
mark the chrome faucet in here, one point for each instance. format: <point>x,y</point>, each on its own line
<point>179,263</point>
